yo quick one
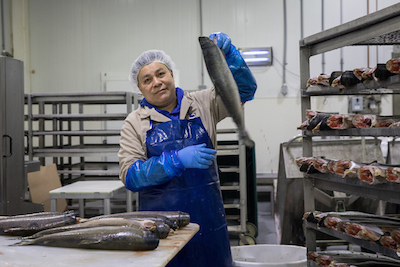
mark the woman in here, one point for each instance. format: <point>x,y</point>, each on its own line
<point>167,150</point>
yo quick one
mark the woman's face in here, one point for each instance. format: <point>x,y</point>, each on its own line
<point>157,84</point>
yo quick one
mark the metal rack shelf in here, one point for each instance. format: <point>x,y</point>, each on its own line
<point>385,191</point>
<point>58,129</point>
<point>360,242</point>
<point>378,28</point>
<point>373,132</point>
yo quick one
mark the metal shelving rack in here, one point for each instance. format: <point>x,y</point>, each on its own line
<point>233,186</point>
<point>379,28</point>
<point>56,128</point>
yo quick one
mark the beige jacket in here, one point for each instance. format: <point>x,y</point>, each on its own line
<point>204,104</point>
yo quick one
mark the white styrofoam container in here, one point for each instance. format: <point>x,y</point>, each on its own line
<point>269,255</point>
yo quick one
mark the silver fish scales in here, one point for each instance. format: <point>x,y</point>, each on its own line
<point>224,84</point>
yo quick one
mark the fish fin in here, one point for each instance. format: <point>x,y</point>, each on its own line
<point>24,243</point>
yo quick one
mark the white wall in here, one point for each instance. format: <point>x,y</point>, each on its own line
<point>70,43</point>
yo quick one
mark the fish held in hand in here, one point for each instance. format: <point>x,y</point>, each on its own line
<point>224,84</point>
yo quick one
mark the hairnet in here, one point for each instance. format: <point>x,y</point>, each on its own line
<point>146,58</point>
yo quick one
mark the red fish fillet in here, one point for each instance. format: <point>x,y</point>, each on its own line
<point>341,165</point>
<point>336,83</point>
<point>323,79</point>
<point>352,171</point>
<point>353,229</point>
<point>320,165</point>
<point>312,81</point>
<point>395,234</point>
<point>393,174</point>
<point>359,71</point>
<point>340,121</point>
<point>331,222</point>
<point>371,174</point>
<point>388,242</point>
<point>364,121</point>
<point>323,260</point>
<point>393,65</point>
<point>385,123</point>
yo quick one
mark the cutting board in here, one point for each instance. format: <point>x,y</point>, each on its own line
<point>36,256</point>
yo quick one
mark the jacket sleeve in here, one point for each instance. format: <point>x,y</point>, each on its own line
<point>154,171</point>
<point>136,170</point>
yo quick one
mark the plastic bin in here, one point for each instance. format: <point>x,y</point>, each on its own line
<point>269,255</point>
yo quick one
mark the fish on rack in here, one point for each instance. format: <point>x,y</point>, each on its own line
<point>364,121</point>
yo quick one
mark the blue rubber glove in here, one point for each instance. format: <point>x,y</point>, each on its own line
<point>197,156</point>
<point>244,79</point>
<point>154,171</point>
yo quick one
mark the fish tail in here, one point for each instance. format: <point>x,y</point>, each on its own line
<point>24,242</point>
<point>246,139</point>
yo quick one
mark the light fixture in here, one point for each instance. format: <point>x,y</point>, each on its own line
<point>260,56</point>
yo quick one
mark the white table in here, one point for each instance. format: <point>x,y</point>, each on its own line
<point>102,189</point>
<point>39,256</point>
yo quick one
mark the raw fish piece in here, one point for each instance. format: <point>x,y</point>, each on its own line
<point>312,81</point>
<point>358,72</point>
<point>393,174</point>
<point>323,79</point>
<point>334,75</point>
<point>331,222</point>
<point>331,165</point>
<point>393,65</point>
<point>368,74</point>
<point>352,171</point>
<point>312,255</point>
<point>352,229</point>
<point>385,122</point>
<point>340,121</point>
<point>341,226</point>
<point>388,242</point>
<point>321,165</point>
<point>371,174</point>
<point>395,234</point>
<point>364,121</point>
<point>341,166</point>
<point>323,260</point>
<point>337,83</point>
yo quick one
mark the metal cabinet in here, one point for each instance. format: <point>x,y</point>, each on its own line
<point>379,28</point>
<point>13,183</point>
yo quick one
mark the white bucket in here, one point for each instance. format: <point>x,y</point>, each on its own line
<point>269,255</point>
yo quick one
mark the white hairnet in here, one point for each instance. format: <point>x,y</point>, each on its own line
<point>146,58</point>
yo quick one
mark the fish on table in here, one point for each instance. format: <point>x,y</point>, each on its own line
<point>104,237</point>
<point>29,224</point>
<point>142,215</point>
<point>224,84</point>
<point>142,225</point>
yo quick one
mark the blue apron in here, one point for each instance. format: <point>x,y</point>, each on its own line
<point>196,191</point>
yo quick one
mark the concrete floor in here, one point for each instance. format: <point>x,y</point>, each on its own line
<point>266,222</point>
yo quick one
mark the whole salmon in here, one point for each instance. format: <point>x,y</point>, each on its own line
<point>142,225</point>
<point>135,215</point>
<point>105,237</point>
<point>29,224</point>
<point>224,84</point>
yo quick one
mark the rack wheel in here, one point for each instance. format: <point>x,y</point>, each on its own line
<point>252,229</point>
<point>246,239</point>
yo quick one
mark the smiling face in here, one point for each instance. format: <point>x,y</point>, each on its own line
<point>156,82</point>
